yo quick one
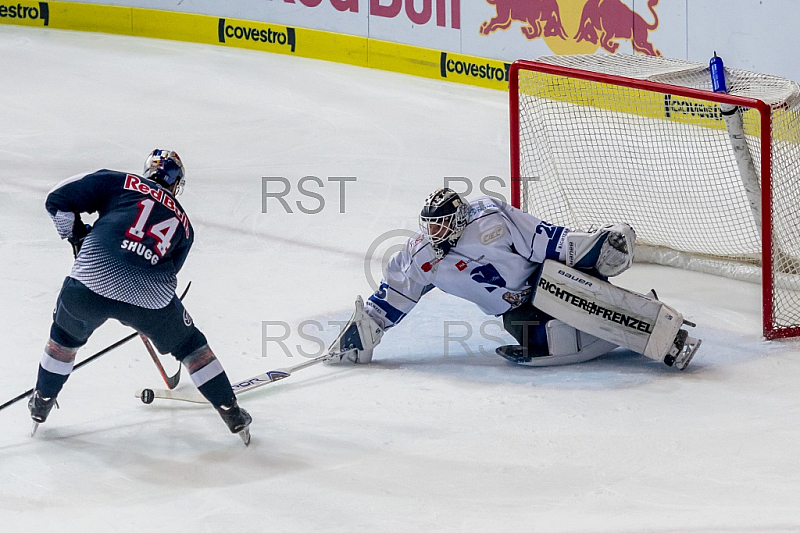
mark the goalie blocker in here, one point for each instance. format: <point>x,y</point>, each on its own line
<point>619,316</point>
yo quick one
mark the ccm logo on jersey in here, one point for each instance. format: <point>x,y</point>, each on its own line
<point>593,309</point>
<point>492,234</point>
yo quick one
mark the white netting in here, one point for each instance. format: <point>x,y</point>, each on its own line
<point>592,153</point>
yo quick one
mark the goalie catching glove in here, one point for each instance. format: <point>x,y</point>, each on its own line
<point>357,339</point>
<point>609,249</point>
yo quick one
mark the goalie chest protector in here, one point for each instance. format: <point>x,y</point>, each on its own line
<point>626,318</point>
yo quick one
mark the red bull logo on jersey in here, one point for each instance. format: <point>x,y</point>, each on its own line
<point>578,26</point>
<point>134,183</point>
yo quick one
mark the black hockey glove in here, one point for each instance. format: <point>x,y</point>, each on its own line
<point>79,233</point>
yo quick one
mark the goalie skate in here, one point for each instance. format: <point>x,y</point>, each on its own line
<point>682,351</point>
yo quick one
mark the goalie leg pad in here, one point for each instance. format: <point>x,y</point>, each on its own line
<point>569,346</point>
<point>622,317</point>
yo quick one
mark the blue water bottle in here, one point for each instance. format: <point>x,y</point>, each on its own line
<point>717,74</point>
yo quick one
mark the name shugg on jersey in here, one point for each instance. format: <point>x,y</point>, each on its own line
<point>133,183</point>
<point>140,249</point>
<point>593,309</point>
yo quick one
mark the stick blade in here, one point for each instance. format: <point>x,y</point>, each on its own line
<point>172,381</point>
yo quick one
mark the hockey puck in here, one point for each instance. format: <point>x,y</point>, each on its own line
<point>148,396</point>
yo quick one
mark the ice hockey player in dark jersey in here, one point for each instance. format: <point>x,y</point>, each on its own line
<point>548,283</point>
<point>126,268</point>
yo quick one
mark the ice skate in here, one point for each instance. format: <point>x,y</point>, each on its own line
<point>682,351</point>
<point>517,354</point>
<point>237,419</point>
<point>40,409</point>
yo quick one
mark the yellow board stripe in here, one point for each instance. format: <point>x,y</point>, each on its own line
<point>303,42</point>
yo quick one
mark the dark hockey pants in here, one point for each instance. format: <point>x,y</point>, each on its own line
<point>79,312</point>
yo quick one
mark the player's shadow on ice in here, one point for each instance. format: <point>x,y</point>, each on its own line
<point>620,368</point>
<point>187,449</point>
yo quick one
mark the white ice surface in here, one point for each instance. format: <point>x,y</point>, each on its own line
<point>427,438</point>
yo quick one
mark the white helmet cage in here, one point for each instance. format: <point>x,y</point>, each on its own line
<point>444,217</point>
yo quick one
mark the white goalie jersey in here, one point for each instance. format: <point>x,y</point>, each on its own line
<point>490,265</point>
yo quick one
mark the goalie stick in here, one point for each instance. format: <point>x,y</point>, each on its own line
<point>271,376</point>
<point>358,334</point>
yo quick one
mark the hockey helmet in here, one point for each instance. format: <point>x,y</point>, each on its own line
<point>165,168</point>
<point>443,219</point>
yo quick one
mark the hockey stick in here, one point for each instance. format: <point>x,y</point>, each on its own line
<point>171,381</point>
<point>271,376</point>
<point>365,334</point>
<point>90,358</point>
<point>85,361</point>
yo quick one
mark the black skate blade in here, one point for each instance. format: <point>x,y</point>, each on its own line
<point>513,353</point>
<point>517,354</point>
<point>245,436</point>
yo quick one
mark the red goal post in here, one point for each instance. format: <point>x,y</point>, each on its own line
<point>641,139</point>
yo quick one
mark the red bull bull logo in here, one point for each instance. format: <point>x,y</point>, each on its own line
<point>539,18</point>
<point>577,26</point>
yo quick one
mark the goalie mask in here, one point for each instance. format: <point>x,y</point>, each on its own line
<point>165,168</point>
<point>443,219</point>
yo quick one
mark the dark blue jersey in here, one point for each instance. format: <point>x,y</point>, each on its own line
<point>138,243</point>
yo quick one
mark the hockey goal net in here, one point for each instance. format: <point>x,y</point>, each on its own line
<point>641,139</point>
